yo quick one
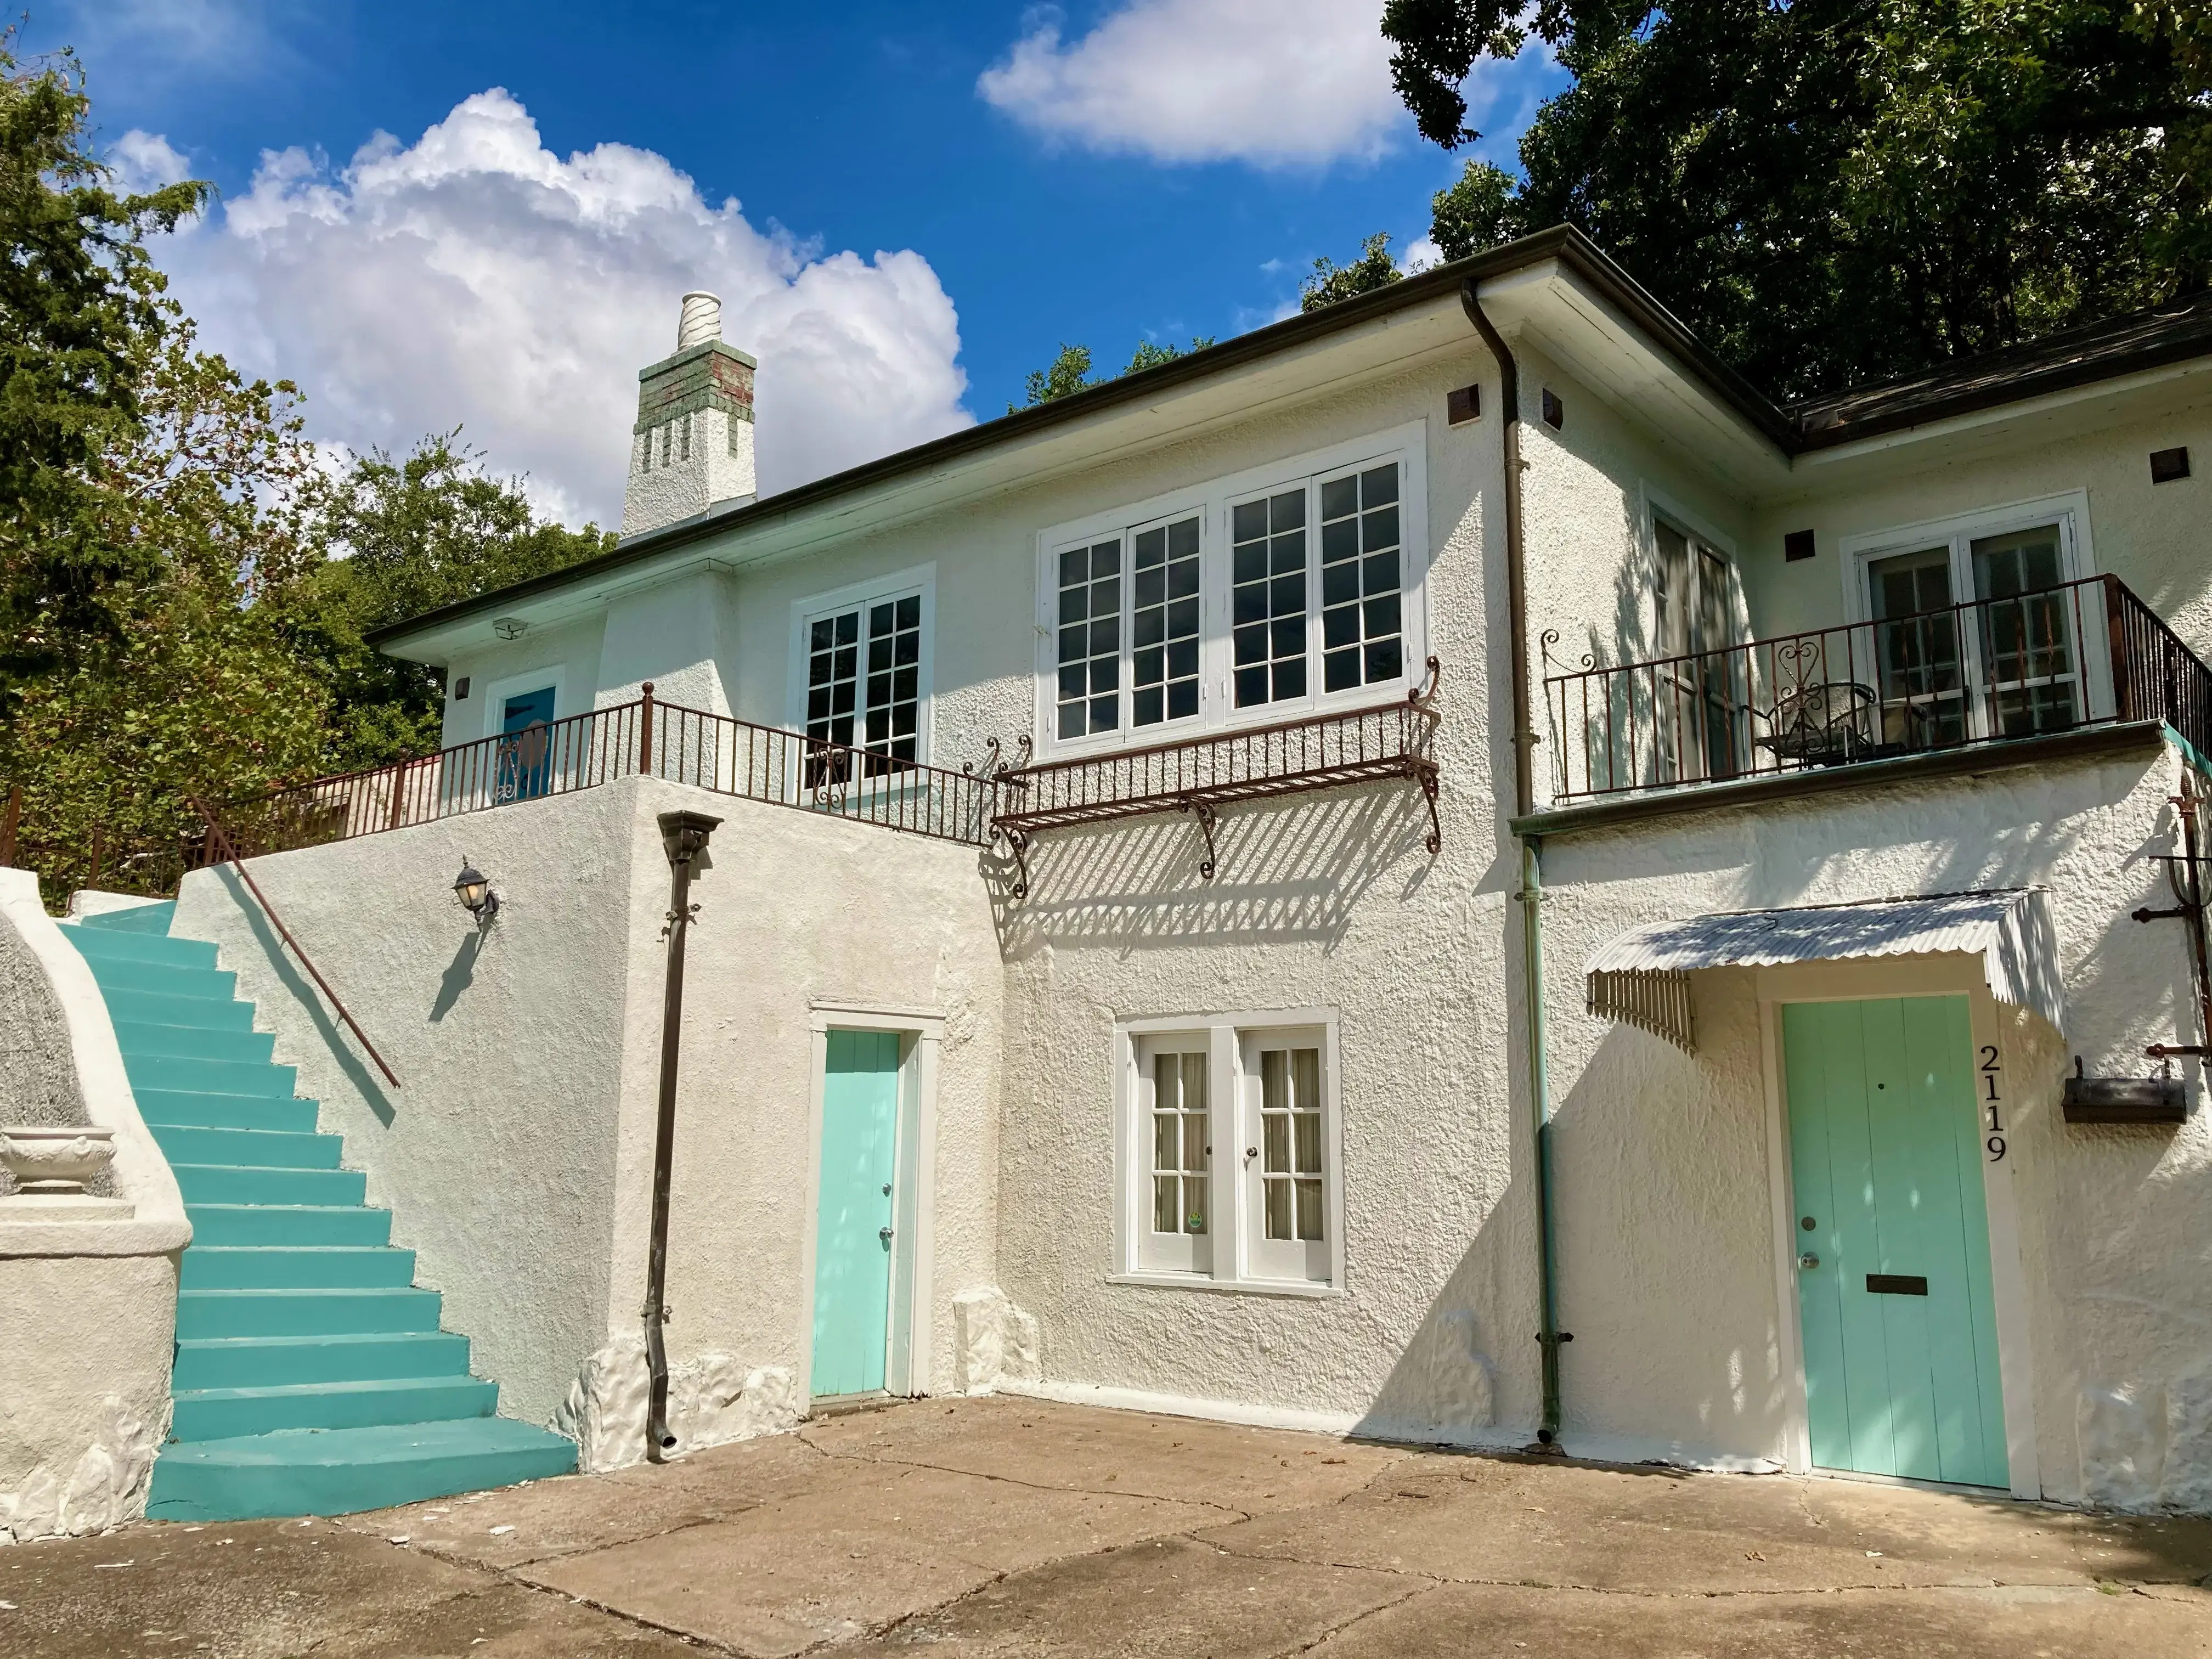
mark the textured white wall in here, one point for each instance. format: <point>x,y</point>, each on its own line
<point>718,469</point>
<point>568,657</point>
<point>675,635</point>
<point>1668,1252</point>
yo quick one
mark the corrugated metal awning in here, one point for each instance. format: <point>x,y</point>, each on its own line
<point>1642,977</point>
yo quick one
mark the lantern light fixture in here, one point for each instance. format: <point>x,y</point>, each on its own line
<point>473,889</point>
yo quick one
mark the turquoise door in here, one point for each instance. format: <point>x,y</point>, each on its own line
<point>1893,1264</point>
<point>526,762</point>
<point>853,1225</point>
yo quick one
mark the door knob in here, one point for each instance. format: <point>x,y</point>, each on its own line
<point>1808,1259</point>
<point>885,1235</point>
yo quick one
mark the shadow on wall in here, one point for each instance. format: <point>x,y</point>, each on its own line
<point>1285,871</point>
<point>335,1038</point>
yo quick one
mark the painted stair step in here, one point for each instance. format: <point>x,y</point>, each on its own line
<point>205,984</point>
<point>268,1362</point>
<point>225,1413</point>
<point>292,1224</point>
<point>240,1048</point>
<point>312,1312</point>
<point>212,1183</point>
<point>135,919</point>
<point>295,1267</point>
<point>177,1109</point>
<point>153,1008</point>
<point>156,948</point>
<point>203,1076</point>
<point>339,1471</point>
<point>266,1149</point>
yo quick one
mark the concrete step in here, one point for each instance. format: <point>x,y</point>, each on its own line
<point>289,1225</point>
<point>295,1267</point>
<point>112,945</point>
<point>180,1110</point>
<point>127,1006</point>
<point>158,979</point>
<point>269,1362</point>
<point>138,919</point>
<point>218,1183</point>
<point>339,1471</point>
<point>265,1149</point>
<point>298,1312</point>
<point>194,1074</point>
<point>227,1413</point>
<point>240,1048</point>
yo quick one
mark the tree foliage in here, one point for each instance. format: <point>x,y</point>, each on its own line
<point>1070,371</point>
<point>1835,190</point>
<point>1329,282</point>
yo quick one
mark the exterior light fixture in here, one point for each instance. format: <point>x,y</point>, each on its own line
<point>473,889</point>
<point>508,628</point>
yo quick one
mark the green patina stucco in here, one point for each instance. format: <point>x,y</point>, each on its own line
<point>714,375</point>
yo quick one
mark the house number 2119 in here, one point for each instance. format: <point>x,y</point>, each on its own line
<point>1996,1143</point>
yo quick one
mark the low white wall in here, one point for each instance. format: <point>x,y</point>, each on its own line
<point>1666,1249</point>
<point>496,1155</point>
<point>88,1308</point>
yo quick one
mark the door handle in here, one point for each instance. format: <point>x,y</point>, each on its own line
<point>885,1235</point>
<point>1808,1261</point>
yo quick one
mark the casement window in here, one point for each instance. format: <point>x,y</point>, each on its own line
<point>861,678</point>
<point>1702,712</point>
<point>1228,1154</point>
<point>1277,593</point>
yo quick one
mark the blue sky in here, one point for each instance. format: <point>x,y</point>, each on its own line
<point>1100,173</point>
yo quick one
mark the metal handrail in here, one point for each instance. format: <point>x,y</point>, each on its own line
<point>2080,653</point>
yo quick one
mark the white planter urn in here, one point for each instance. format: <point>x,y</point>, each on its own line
<point>55,1160</point>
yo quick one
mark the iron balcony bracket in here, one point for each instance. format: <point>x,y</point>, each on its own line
<point>1203,814</point>
<point>1018,843</point>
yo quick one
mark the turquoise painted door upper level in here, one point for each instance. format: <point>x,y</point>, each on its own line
<point>526,762</point>
<point>853,1228</point>
<point>1901,1375</point>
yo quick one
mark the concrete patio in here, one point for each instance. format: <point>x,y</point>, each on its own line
<point>1006,1526</point>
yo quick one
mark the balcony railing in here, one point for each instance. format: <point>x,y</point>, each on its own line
<point>2082,653</point>
<point>644,739</point>
<point>1197,774</point>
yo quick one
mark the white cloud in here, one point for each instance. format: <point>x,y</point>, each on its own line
<point>476,277</point>
<point>146,162</point>
<point>1422,254</point>
<point>1275,82</point>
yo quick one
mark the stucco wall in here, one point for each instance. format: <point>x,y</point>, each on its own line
<point>497,1153</point>
<point>567,658</point>
<point>1667,1252</point>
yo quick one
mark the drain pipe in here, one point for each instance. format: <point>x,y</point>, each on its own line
<point>1531,893</point>
<point>683,837</point>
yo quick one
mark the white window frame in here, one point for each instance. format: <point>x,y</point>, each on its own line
<point>1242,1258</point>
<point>508,685</point>
<point>1958,532</point>
<point>1406,444</point>
<point>918,580</point>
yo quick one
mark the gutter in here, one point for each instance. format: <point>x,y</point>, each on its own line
<point>1531,894</point>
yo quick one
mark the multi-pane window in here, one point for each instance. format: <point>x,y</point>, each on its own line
<point>863,688</point>
<point>1362,621</point>
<point>1091,639</point>
<point>1265,1211</point>
<point>1290,1142</point>
<point>1259,604</point>
<point>1267,597</point>
<point>1163,623</point>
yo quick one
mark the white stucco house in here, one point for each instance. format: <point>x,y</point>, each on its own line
<point>1444,869</point>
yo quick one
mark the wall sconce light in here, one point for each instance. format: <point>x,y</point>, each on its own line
<point>473,889</point>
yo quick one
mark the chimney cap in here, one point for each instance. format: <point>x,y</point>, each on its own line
<point>701,320</point>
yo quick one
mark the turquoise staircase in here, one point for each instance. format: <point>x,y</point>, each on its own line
<point>311,1376</point>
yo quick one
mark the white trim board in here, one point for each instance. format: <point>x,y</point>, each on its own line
<point>498,691</point>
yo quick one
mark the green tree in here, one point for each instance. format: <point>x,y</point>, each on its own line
<point>406,537</point>
<point>80,323</point>
<point>1476,213</point>
<point>1150,355</point>
<point>1833,191</point>
<point>1067,374</point>
<point>1329,282</point>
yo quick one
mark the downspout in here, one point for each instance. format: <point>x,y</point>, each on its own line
<point>683,837</point>
<point>1531,893</point>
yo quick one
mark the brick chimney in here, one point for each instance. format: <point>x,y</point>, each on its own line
<point>692,447</point>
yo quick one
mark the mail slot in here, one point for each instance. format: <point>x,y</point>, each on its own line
<point>1896,1285</point>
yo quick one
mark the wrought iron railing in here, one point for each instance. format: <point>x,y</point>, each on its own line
<point>1196,774</point>
<point>643,738</point>
<point>2081,653</point>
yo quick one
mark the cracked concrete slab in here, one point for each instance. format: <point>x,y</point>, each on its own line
<point>2021,1623</point>
<point>830,1565</point>
<point>1010,1525</point>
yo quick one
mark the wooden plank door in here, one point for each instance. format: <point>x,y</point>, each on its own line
<point>1900,1325</point>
